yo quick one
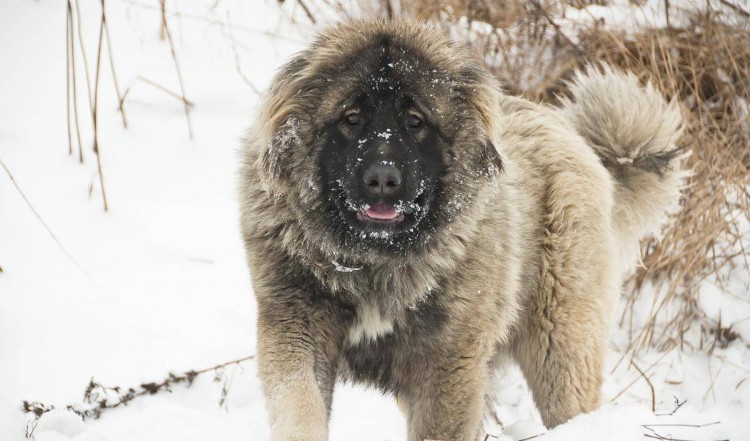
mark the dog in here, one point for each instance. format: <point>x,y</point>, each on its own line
<point>408,226</point>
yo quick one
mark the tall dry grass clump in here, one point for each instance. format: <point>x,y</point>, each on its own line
<point>698,55</point>
<point>706,66</point>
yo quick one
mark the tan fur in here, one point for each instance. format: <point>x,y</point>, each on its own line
<point>529,263</point>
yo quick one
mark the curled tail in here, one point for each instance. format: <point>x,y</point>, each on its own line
<point>633,130</point>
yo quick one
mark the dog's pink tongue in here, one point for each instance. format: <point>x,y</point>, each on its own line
<point>382,211</point>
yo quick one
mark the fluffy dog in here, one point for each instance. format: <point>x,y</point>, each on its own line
<point>407,225</point>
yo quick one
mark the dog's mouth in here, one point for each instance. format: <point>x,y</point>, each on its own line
<point>389,215</point>
<point>380,213</point>
<point>382,218</point>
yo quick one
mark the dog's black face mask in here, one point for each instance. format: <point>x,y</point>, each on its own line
<point>381,164</point>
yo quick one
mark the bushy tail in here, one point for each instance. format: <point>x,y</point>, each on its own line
<point>633,130</point>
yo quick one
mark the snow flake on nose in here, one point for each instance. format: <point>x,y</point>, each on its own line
<point>385,135</point>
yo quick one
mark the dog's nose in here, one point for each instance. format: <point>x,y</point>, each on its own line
<point>382,178</point>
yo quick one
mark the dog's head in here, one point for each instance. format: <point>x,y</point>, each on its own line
<point>380,135</point>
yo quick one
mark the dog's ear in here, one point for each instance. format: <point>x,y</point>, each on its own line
<point>486,97</point>
<point>491,156</point>
<point>279,130</point>
<point>276,150</point>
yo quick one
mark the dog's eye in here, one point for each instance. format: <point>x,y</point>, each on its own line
<point>352,117</point>
<point>414,119</point>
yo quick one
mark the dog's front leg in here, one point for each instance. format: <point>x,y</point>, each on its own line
<point>298,348</point>
<point>447,403</point>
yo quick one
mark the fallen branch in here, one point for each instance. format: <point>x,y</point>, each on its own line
<point>677,405</point>
<point>533,437</point>
<point>655,435</point>
<point>98,398</point>
<point>696,426</point>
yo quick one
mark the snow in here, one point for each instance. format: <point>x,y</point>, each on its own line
<point>385,135</point>
<point>159,282</point>
<point>344,269</point>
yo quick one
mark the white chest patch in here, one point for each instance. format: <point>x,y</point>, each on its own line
<point>370,325</point>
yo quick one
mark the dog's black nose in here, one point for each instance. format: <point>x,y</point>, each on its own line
<point>382,178</point>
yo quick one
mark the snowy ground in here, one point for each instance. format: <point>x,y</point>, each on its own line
<point>160,283</point>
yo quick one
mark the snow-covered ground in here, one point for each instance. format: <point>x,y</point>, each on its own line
<point>158,284</point>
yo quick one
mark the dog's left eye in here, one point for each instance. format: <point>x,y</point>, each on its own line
<point>352,117</point>
<point>414,120</point>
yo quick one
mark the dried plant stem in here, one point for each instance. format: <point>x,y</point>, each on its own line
<point>650,385</point>
<point>625,389</point>
<point>67,78</point>
<point>165,27</point>
<point>120,99</point>
<point>554,24</point>
<point>736,7</point>
<point>175,95</point>
<point>210,21</point>
<point>83,54</point>
<point>41,221</point>
<point>532,437</point>
<point>307,11</point>
<point>237,64</point>
<point>95,111</point>
<point>388,9</point>
<point>72,71</point>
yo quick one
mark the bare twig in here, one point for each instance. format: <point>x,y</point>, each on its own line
<point>533,437</point>
<point>677,405</point>
<point>120,98</point>
<point>165,27</point>
<point>650,385</point>
<point>307,11</point>
<point>67,78</point>
<point>72,70</point>
<point>83,54</point>
<point>554,24</point>
<point>95,111</point>
<point>41,221</point>
<point>388,9</point>
<point>175,95</point>
<point>237,64</point>
<point>625,389</point>
<point>655,435</point>
<point>697,426</point>
<point>267,34</point>
<point>736,7</point>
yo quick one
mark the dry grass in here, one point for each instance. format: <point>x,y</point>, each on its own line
<point>700,58</point>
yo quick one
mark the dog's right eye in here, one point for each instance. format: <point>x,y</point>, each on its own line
<point>352,117</point>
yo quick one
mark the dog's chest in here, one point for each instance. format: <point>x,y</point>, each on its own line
<point>369,325</point>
